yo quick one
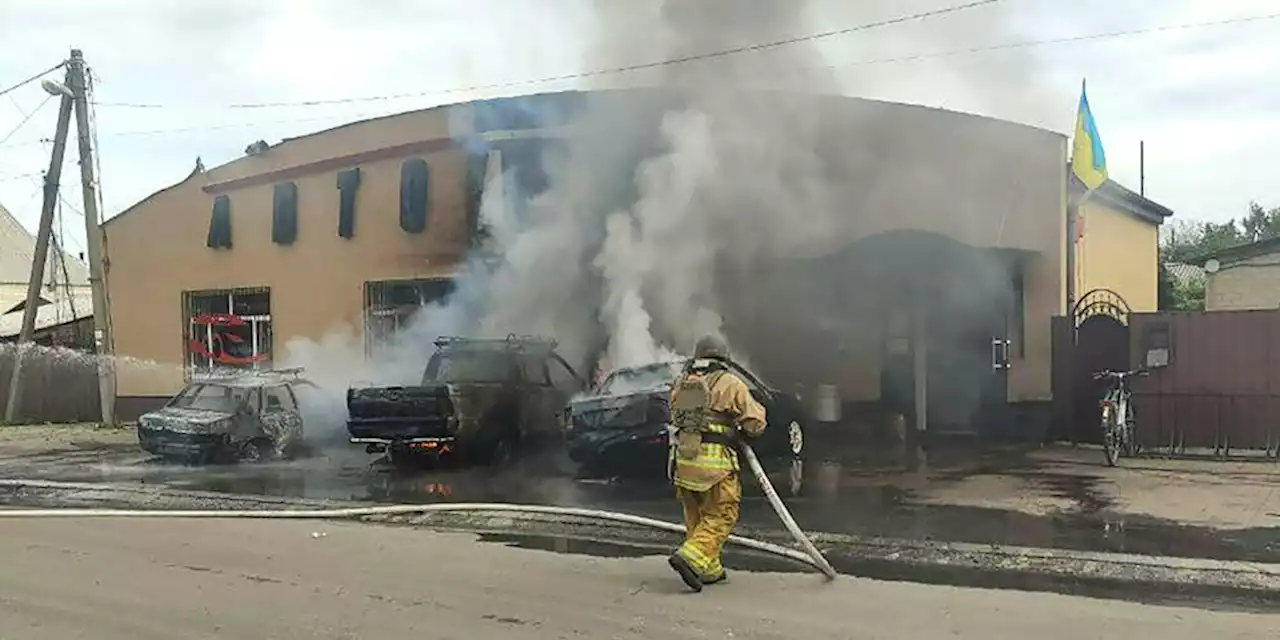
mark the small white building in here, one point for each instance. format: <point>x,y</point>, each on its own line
<point>65,297</point>
<point>1243,277</point>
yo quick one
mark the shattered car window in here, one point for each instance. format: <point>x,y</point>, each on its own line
<point>626,381</point>
<point>470,366</point>
<point>279,399</point>
<point>209,397</point>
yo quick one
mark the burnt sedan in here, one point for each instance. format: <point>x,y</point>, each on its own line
<point>621,428</point>
<point>251,416</point>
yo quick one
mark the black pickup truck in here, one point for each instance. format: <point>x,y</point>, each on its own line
<point>479,400</point>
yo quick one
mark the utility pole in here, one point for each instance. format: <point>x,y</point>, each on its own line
<point>41,253</point>
<point>102,335</point>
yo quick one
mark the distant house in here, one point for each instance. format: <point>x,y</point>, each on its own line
<point>1245,276</point>
<point>1119,244</point>
<point>1186,274</point>
<point>66,306</point>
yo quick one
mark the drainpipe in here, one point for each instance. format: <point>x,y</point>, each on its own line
<point>917,457</point>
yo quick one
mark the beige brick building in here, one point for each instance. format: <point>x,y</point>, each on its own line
<point>346,228</point>
<point>1245,277</point>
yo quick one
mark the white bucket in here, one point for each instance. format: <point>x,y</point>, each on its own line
<point>827,401</point>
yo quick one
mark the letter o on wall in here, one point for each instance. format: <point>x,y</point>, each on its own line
<point>414,195</point>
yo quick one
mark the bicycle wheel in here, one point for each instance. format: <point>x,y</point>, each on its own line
<point>1131,445</point>
<point>1110,442</point>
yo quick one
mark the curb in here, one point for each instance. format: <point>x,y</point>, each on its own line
<point>1155,579</point>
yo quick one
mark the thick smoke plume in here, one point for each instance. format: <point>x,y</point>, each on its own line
<point>664,207</point>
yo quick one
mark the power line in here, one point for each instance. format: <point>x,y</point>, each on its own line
<point>24,120</point>
<point>1064,40</point>
<point>924,15</point>
<point>230,125</point>
<point>34,78</point>
<point>897,59</point>
<point>893,60</point>
<point>18,176</point>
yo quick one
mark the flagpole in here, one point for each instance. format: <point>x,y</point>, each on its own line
<point>1142,168</point>
<point>1072,212</point>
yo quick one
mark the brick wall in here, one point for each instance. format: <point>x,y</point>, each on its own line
<point>1248,284</point>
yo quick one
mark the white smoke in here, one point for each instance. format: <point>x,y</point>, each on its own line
<point>663,205</point>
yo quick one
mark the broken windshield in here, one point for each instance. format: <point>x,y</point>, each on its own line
<point>471,366</point>
<point>625,381</point>
<point>209,397</point>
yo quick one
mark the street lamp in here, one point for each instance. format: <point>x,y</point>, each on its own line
<point>55,88</point>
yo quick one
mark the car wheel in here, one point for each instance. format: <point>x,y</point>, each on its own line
<point>502,450</point>
<point>795,439</point>
<point>256,451</point>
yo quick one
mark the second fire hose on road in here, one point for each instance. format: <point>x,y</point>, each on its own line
<point>812,557</point>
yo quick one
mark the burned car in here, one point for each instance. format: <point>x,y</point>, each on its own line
<point>621,428</point>
<point>228,417</point>
<point>479,400</point>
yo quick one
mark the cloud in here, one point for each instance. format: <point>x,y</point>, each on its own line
<point>1170,89</point>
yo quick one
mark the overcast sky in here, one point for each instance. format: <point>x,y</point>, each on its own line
<point>1203,99</point>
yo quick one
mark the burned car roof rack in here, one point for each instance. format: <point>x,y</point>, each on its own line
<point>248,376</point>
<point>512,341</point>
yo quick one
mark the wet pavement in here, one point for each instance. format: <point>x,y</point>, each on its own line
<point>829,496</point>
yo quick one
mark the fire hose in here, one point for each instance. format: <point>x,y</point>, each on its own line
<point>816,559</point>
<point>813,558</point>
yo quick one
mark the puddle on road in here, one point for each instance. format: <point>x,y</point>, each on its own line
<point>823,496</point>
<point>733,558</point>
<point>574,546</point>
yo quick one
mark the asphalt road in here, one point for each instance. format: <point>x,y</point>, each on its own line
<point>258,579</point>
<point>1059,497</point>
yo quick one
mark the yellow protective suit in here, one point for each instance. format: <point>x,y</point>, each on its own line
<point>708,486</point>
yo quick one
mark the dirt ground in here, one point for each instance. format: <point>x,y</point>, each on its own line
<point>1235,494</point>
<point>282,579</point>
<point>30,438</point>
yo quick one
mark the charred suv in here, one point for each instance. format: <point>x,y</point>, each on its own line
<point>621,429</point>
<point>478,399</point>
<point>250,416</point>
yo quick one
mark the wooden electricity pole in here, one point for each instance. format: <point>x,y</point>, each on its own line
<point>39,255</point>
<point>77,80</point>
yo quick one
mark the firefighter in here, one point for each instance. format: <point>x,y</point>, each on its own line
<point>710,407</point>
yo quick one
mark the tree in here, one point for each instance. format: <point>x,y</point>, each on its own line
<point>1166,292</point>
<point>1261,223</point>
<point>1185,240</point>
<point>1178,295</point>
<point>1219,236</point>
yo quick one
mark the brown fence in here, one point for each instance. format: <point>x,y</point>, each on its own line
<point>58,385</point>
<point>1220,388</point>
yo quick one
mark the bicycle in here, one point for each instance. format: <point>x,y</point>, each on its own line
<point>1118,422</point>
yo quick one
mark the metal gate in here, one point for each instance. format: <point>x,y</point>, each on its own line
<point>1093,338</point>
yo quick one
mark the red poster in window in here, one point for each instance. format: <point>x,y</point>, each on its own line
<point>226,347</point>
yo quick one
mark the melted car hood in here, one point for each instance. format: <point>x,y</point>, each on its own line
<point>175,416</point>
<point>616,411</point>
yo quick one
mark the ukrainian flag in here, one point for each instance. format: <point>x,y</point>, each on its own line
<point>1088,160</point>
